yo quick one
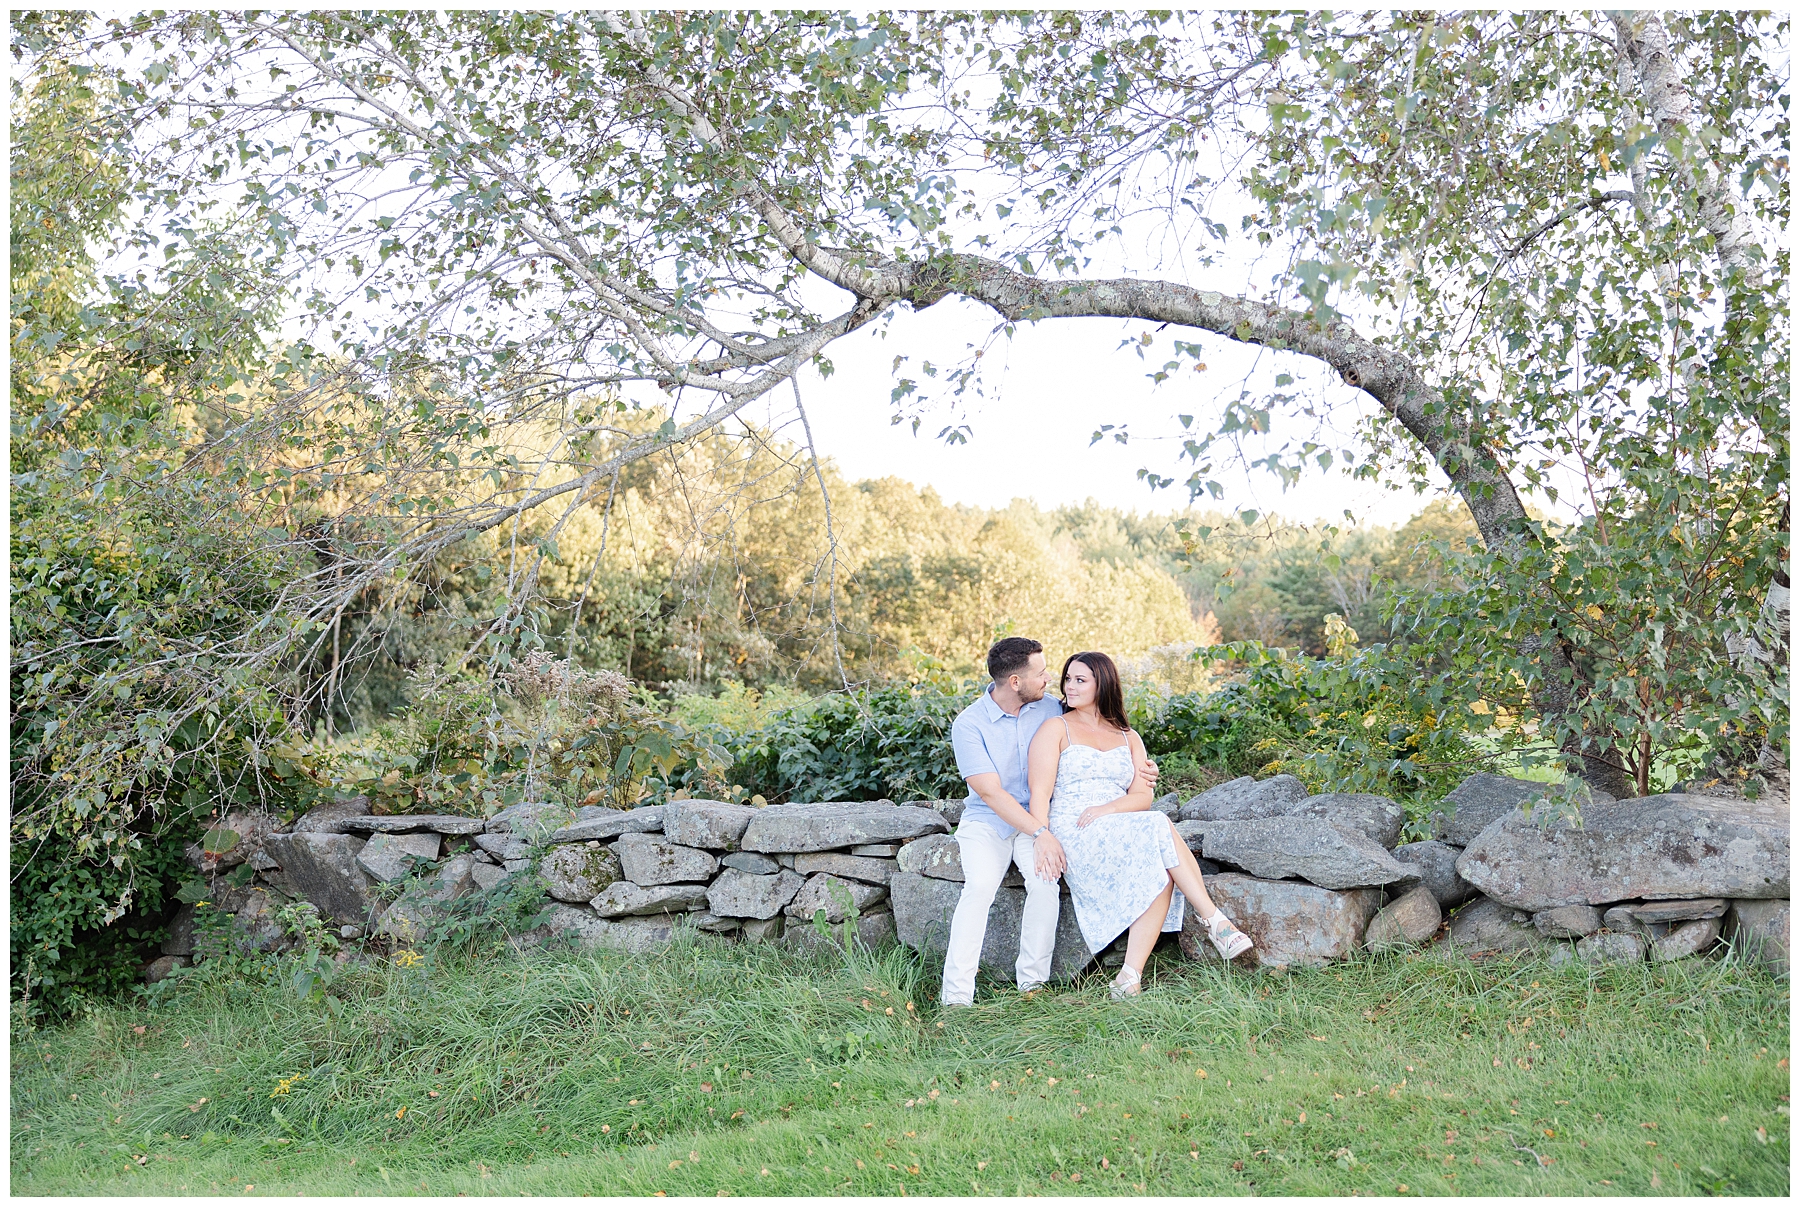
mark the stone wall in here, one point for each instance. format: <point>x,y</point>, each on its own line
<point>1311,879</point>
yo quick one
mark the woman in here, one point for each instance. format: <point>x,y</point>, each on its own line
<point>1124,862</point>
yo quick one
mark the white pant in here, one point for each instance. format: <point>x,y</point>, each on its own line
<point>986,855</point>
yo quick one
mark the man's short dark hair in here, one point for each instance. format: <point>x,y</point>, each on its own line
<point>1009,655</point>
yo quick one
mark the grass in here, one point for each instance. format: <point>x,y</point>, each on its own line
<point>722,1069</point>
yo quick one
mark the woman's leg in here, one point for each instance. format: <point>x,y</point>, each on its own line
<point>1186,874</point>
<point>1142,935</point>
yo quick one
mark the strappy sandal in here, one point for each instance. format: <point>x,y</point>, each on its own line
<point>1126,984</point>
<point>1230,941</point>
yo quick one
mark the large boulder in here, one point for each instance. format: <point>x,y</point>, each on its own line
<point>257,926</point>
<point>1611,947</point>
<point>1169,805</point>
<point>455,878</point>
<point>236,837</point>
<point>390,857</point>
<point>1759,930</point>
<point>1375,816</point>
<point>321,867</point>
<point>1689,938</point>
<point>935,855</point>
<point>624,899</point>
<point>530,817</point>
<point>750,861</point>
<point>651,861</point>
<point>1290,923</point>
<point>180,938</point>
<point>610,823</point>
<point>1485,927</point>
<point>1677,911</point>
<point>1654,847</point>
<point>1411,918</point>
<point>587,929</point>
<point>331,817</point>
<point>872,932</point>
<point>834,896</point>
<point>1567,921</point>
<point>577,872</point>
<point>940,856</point>
<point>796,828</point>
<point>1436,862</point>
<point>738,894</point>
<point>408,823</point>
<point>712,824</point>
<point>950,808</point>
<point>850,867</point>
<point>1244,799</point>
<point>1311,848</point>
<point>1481,800</point>
<point>924,906</point>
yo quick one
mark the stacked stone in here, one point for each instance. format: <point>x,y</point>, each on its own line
<point>1306,877</point>
<point>333,857</point>
<point>1310,878</point>
<point>762,874</point>
<point>1663,877</point>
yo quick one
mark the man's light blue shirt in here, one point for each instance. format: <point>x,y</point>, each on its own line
<point>987,738</point>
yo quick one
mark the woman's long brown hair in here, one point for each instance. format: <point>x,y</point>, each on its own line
<point>1109,695</point>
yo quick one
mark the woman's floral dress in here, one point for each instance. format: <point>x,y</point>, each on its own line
<point>1118,865</point>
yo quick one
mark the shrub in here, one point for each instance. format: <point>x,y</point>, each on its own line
<point>1354,723</point>
<point>887,741</point>
<point>548,731</point>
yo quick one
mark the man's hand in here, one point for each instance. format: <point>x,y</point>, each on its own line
<point>1047,855</point>
<point>1147,770</point>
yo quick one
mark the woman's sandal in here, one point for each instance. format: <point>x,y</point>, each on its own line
<point>1126,984</point>
<point>1230,941</point>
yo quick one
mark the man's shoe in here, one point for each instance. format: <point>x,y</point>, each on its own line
<point>950,1005</point>
<point>1028,990</point>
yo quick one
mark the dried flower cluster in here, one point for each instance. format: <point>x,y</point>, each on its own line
<point>542,679</point>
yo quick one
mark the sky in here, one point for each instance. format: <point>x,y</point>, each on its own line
<point>1046,392</point>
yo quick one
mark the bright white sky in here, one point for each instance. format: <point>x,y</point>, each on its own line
<point>1046,394</point>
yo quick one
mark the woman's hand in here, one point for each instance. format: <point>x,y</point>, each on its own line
<point>1092,814</point>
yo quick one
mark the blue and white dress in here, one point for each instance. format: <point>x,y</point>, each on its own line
<point>1119,864</point>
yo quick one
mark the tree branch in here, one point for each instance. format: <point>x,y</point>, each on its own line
<point>1644,45</point>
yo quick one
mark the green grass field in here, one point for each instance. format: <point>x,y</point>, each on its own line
<point>715,1069</point>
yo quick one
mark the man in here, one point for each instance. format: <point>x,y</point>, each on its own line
<point>991,738</point>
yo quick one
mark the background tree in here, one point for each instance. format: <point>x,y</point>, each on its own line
<point>1534,242</point>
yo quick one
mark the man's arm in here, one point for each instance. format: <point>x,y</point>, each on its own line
<point>1047,852</point>
<point>986,785</point>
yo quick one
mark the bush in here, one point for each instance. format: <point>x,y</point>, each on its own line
<point>889,741</point>
<point>547,731</point>
<point>1354,723</point>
